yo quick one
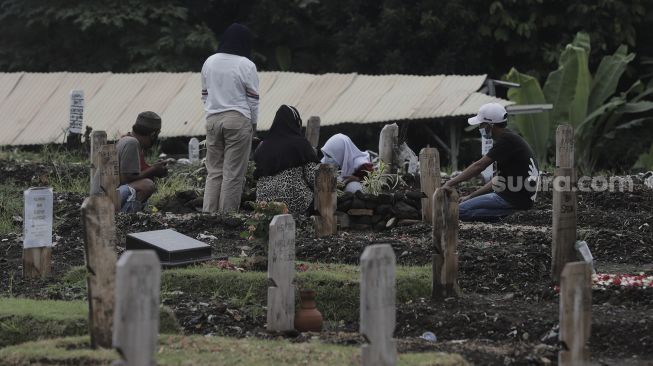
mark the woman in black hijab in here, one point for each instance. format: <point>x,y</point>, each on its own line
<point>286,163</point>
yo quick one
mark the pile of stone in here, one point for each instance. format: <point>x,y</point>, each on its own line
<point>364,211</point>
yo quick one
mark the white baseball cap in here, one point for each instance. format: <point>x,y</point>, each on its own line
<point>489,113</point>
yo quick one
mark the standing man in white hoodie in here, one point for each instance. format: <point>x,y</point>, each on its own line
<point>230,92</point>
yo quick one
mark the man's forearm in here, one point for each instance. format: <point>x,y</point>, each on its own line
<point>487,188</point>
<point>471,171</point>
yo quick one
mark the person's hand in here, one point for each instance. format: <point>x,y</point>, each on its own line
<point>160,169</point>
<point>463,199</point>
<point>447,184</point>
<point>350,178</point>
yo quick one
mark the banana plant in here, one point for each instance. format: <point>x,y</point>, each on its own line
<point>587,103</point>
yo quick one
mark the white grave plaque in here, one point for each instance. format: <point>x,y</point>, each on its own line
<point>38,217</point>
<point>486,145</point>
<point>194,150</point>
<point>76,111</point>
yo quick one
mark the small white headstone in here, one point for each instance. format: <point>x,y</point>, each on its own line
<point>377,305</point>
<point>38,217</point>
<point>281,272</point>
<point>136,315</point>
<point>76,111</point>
<point>194,150</point>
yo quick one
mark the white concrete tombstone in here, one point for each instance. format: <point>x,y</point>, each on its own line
<point>194,150</point>
<point>136,315</point>
<point>37,223</point>
<point>388,141</point>
<point>281,273</point>
<point>377,305</point>
<point>76,111</point>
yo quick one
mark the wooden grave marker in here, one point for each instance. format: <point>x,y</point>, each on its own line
<point>564,221</point>
<point>136,314</point>
<point>377,305</point>
<point>100,247</point>
<point>445,242</point>
<point>388,141</point>
<point>37,230</point>
<point>106,177</point>
<point>429,169</point>
<point>98,139</point>
<point>564,202</point>
<point>326,200</point>
<point>281,273</point>
<point>575,313</point>
<point>313,131</point>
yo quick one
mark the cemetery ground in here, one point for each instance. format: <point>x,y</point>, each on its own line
<point>507,315</point>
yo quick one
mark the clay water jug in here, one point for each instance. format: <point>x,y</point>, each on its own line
<point>308,318</point>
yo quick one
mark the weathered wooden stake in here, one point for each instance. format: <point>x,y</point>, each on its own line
<point>429,170</point>
<point>565,146</point>
<point>445,241</point>
<point>377,305</point>
<point>98,139</point>
<point>136,315</point>
<point>575,314</point>
<point>313,130</point>
<point>564,221</point>
<point>100,246</point>
<point>388,142</point>
<point>37,238</point>
<point>281,272</point>
<point>105,172</point>
<point>326,200</point>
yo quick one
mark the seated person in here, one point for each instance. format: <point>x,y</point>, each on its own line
<point>286,163</point>
<point>516,183</point>
<point>353,163</point>
<point>136,177</point>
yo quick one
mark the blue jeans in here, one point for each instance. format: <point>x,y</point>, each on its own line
<point>128,201</point>
<point>488,207</point>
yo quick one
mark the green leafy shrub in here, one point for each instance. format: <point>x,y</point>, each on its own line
<point>258,225</point>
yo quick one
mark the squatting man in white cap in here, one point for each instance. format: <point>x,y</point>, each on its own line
<point>515,184</point>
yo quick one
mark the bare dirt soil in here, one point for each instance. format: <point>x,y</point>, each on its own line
<point>507,315</point>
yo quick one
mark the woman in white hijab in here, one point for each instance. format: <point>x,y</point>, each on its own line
<point>353,163</point>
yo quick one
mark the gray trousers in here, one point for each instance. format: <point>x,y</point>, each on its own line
<point>228,144</point>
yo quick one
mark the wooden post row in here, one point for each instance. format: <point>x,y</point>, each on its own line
<point>136,314</point>
<point>445,241</point>
<point>313,131</point>
<point>564,204</point>
<point>37,238</point>
<point>326,201</point>
<point>281,272</point>
<point>377,305</point>
<point>429,170</point>
<point>388,141</point>
<point>100,246</point>
<point>575,314</point>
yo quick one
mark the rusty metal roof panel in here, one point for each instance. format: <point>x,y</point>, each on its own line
<point>35,106</point>
<point>184,114</point>
<point>25,100</point>
<point>287,88</point>
<point>52,119</point>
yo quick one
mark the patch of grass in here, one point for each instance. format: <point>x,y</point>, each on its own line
<point>22,320</point>
<point>198,350</point>
<point>337,285</point>
<point>180,178</point>
<point>11,204</point>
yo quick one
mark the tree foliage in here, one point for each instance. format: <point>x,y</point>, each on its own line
<point>388,36</point>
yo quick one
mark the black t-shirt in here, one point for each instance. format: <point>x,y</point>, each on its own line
<point>516,168</point>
